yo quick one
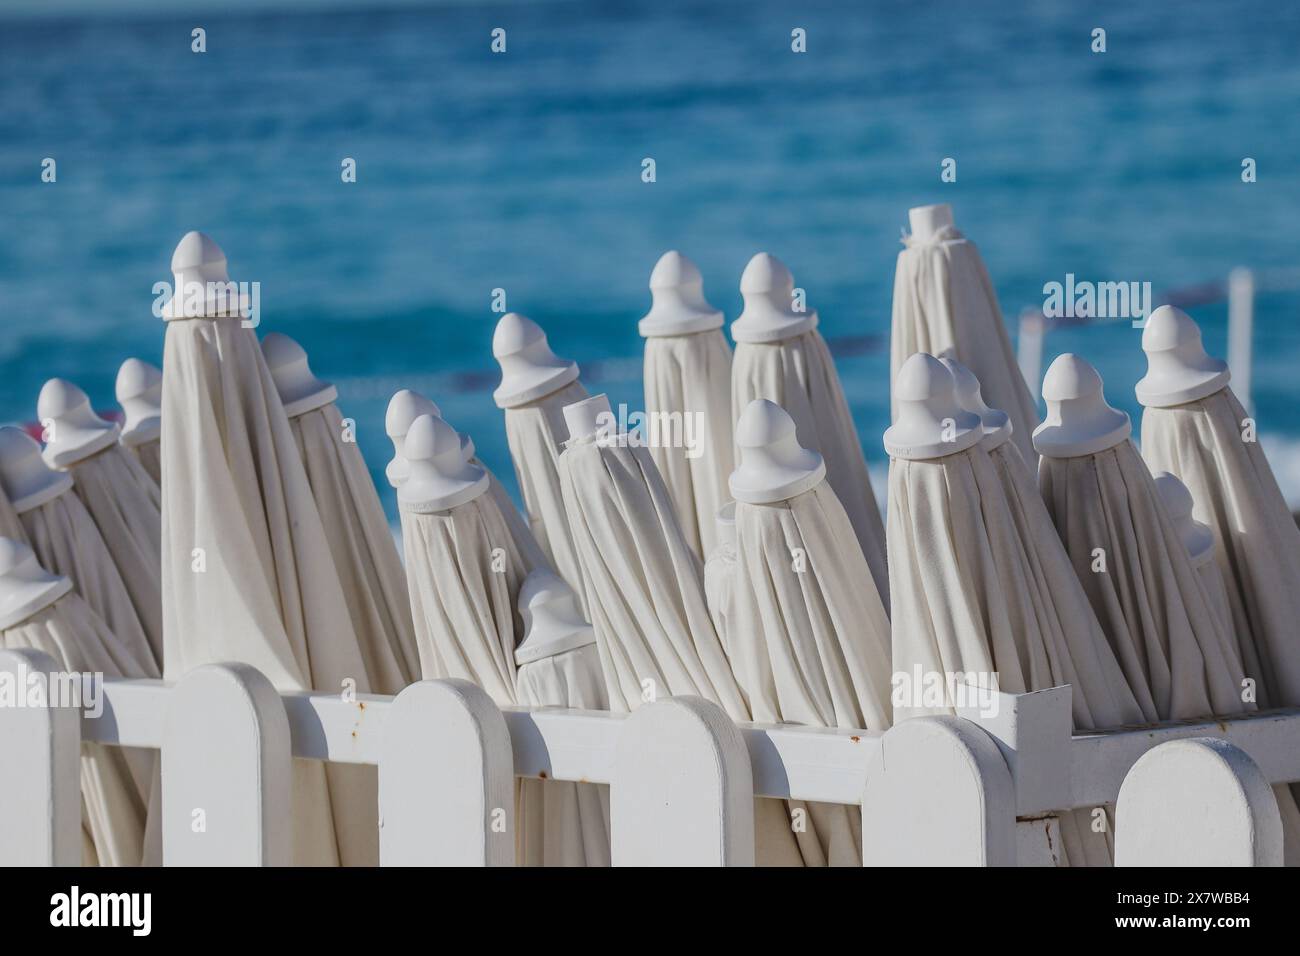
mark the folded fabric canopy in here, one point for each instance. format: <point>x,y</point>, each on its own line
<point>1194,426</point>
<point>466,574</point>
<point>720,573</point>
<point>687,379</point>
<point>120,802</point>
<point>535,387</point>
<point>782,357</point>
<point>139,392</point>
<point>559,666</point>
<point>247,571</point>
<point>122,499</point>
<point>1199,539</point>
<point>67,541</point>
<point>644,585</point>
<point>944,304</point>
<point>365,556</point>
<point>10,525</point>
<point>810,638</point>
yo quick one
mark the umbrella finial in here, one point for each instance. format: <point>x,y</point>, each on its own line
<point>25,587</point>
<point>926,222</point>
<point>1178,368</point>
<point>725,521</point>
<point>773,465</point>
<point>771,313</point>
<point>590,418</point>
<point>403,408</point>
<point>75,432</point>
<point>1198,537</point>
<point>139,391</point>
<point>552,622</point>
<point>1079,420</point>
<point>300,390</point>
<point>995,422</point>
<point>201,286</point>
<point>678,306</point>
<point>28,481</point>
<point>529,369</point>
<point>441,476</point>
<point>931,423</point>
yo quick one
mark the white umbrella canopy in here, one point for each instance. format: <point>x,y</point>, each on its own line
<point>535,386</point>
<point>10,525</point>
<point>1194,426</point>
<point>687,379</point>
<point>365,555</point>
<point>644,588</point>
<point>247,571</point>
<point>1127,552</point>
<point>124,502</point>
<point>780,356</point>
<point>68,542</point>
<point>1077,649</point>
<point>403,409</point>
<point>810,640</point>
<point>119,786</point>
<point>139,392</point>
<point>559,666</point>
<point>720,573</point>
<point>944,303</point>
<point>465,572</point>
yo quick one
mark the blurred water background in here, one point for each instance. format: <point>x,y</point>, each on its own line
<point>522,171</point>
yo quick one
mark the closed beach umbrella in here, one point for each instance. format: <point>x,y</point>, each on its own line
<point>365,556</point>
<point>247,571</point>
<point>944,303</point>
<point>559,666</point>
<point>535,387</point>
<point>645,590</point>
<point>688,396</point>
<point>465,573</point>
<point>1199,540</point>
<point>810,638</point>
<point>68,542</point>
<point>10,525</point>
<point>1127,552</point>
<point>1194,426</point>
<point>780,356</point>
<point>124,502</point>
<point>39,610</point>
<point>720,573</point>
<point>403,409</point>
<point>139,392</point>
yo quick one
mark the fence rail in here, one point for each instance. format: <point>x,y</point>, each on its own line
<point>979,788</point>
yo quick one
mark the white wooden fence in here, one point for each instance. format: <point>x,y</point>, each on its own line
<point>965,790</point>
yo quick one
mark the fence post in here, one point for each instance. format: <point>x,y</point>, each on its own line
<point>446,779</point>
<point>40,751</point>
<point>938,794</point>
<point>1197,802</point>
<point>682,792</point>
<point>226,770</point>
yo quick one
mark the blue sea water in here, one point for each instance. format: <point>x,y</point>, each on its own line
<point>522,171</point>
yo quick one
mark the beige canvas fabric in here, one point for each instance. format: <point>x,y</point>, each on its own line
<point>1150,601</point>
<point>67,541</point>
<point>720,590</point>
<point>944,302</point>
<point>120,804</point>
<point>799,375</point>
<point>149,454</point>
<point>535,433</point>
<point>810,638</point>
<point>268,593</point>
<point>689,376</point>
<point>464,570</point>
<point>646,600</point>
<point>10,525</point>
<point>1257,544</point>
<point>126,506</point>
<point>365,555</point>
